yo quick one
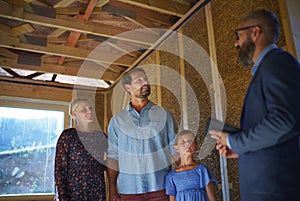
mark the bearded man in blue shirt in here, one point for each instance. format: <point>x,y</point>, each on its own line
<point>141,139</point>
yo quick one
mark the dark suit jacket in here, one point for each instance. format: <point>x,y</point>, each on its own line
<point>269,144</point>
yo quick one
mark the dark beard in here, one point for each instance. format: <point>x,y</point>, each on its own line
<point>144,93</point>
<point>246,52</point>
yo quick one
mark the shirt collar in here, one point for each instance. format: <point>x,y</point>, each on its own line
<point>148,106</point>
<point>261,56</point>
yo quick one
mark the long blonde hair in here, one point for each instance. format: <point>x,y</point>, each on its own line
<point>75,103</point>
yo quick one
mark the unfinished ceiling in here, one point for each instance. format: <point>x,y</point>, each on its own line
<point>59,42</point>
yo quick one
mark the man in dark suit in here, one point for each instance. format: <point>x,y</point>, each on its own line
<point>268,145</point>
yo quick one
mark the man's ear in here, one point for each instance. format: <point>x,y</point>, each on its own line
<point>127,88</point>
<point>256,33</point>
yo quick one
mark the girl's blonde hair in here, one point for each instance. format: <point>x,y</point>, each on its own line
<point>184,132</point>
<point>75,103</point>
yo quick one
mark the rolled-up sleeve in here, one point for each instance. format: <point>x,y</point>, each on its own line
<point>112,151</point>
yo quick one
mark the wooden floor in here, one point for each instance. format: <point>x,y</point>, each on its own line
<point>36,197</point>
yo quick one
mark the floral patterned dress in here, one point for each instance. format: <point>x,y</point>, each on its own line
<point>80,166</point>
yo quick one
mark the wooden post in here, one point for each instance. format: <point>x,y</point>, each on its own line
<point>217,95</point>
<point>158,78</point>
<point>182,82</point>
<point>290,45</point>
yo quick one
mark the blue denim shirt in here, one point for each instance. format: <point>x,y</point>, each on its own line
<point>143,144</point>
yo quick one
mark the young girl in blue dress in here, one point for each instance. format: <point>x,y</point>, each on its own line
<point>190,180</point>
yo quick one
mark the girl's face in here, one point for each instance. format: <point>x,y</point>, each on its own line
<point>185,144</point>
<point>84,112</point>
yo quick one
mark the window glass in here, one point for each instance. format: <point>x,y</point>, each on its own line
<point>65,79</point>
<point>27,149</point>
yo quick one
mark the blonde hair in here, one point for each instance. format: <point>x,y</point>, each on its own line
<point>75,103</point>
<point>184,132</point>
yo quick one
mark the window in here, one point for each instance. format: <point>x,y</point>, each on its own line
<point>28,137</point>
<point>66,79</point>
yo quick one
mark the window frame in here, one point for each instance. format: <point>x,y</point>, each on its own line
<point>29,103</point>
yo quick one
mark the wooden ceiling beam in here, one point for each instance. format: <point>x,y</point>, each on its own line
<point>142,12</point>
<point>101,3</point>
<point>63,3</point>
<point>90,69</point>
<point>24,28</point>
<point>64,39</point>
<point>167,7</point>
<point>56,33</point>
<point>122,50</point>
<point>168,33</point>
<point>89,9</point>
<point>15,2</point>
<point>72,52</point>
<point>7,53</point>
<point>74,36</point>
<point>7,30</point>
<point>154,21</point>
<point>72,24</point>
<point>68,11</point>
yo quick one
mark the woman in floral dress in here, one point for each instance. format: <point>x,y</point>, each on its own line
<point>79,160</point>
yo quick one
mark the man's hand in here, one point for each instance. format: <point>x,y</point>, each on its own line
<point>225,151</point>
<point>113,172</point>
<point>220,136</point>
<point>114,196</point>
<point>222,146</point>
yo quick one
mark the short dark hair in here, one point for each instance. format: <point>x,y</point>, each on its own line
<point>127,78</point>
<point>267,20</point>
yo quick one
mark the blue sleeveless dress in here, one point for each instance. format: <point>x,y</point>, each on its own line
<point>189,185</point>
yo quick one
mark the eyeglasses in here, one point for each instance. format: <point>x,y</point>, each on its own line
<point>243,28</point>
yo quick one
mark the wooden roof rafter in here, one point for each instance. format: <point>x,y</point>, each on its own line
<point>72,52</point>
<point>69,68</point>
<point>168,7</point>
<point>74,36</point>
<point>97,39</point>
<point>200,4</point>
<point>72,24</point>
